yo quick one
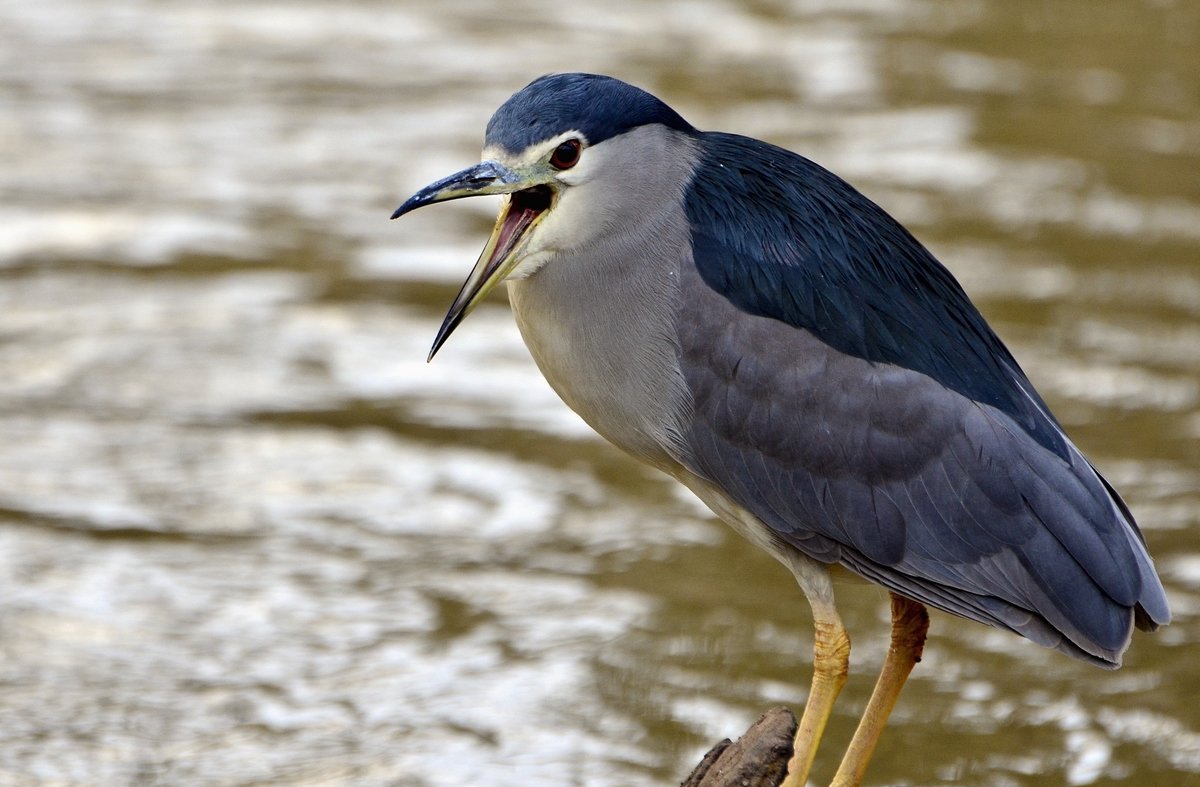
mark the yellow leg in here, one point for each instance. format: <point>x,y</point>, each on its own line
<point>910,622</point>
<point>831,665</point>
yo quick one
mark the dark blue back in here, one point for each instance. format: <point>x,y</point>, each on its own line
<point>782,237</point>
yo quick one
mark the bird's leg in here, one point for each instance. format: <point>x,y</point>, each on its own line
<point>831,665</point>
<point>910,622</point>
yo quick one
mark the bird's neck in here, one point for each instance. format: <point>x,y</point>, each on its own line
<point>600,324</point>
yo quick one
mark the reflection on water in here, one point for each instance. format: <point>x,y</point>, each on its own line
<point>247,534</point>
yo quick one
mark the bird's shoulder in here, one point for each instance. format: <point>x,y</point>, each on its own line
<point>782,237</point>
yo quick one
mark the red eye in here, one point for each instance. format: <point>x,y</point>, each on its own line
<point>566,155</point>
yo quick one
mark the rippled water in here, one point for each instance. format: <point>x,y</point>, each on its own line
<point>247,534</point>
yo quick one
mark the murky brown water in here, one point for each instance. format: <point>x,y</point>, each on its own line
<point>248,535</point>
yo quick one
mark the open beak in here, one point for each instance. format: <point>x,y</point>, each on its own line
<point>528,200</point>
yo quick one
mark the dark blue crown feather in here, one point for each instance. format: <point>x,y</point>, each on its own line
<point>599,107</point>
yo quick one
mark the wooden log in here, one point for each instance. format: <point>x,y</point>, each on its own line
<point>758,759</point>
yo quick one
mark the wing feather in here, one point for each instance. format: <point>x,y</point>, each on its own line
<point>955,488</point>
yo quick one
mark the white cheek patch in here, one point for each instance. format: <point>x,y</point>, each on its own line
<point>530,264</point>
<point>609,191</point>
<point>565,226</point>
<point>558,230</point>
<point>533,155</point>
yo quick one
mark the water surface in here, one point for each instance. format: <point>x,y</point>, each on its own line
<point>248,535</point>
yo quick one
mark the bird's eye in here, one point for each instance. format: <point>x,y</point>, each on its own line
<point>566,155</point>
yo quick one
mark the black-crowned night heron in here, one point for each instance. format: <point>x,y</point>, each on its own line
<point>744,320</point>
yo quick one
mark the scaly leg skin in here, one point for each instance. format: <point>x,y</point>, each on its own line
<point>831,665</point>
<point>910,622</point>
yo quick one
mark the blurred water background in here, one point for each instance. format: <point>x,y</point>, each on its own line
<point>247,535</point>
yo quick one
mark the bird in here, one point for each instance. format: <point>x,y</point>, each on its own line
<point>741,318</point>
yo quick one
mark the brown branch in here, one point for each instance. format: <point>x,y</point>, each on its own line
<point>758,759</point>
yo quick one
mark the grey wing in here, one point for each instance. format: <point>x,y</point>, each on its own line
<point>910,484</point>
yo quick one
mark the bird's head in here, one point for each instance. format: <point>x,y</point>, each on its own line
<point>562,150</point>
